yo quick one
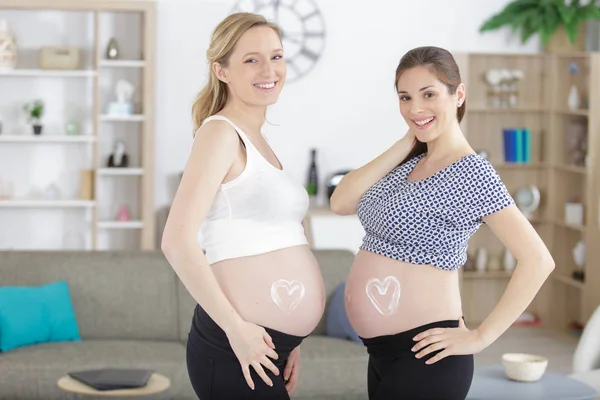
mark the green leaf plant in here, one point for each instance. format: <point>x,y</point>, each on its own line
<point>543,17</point>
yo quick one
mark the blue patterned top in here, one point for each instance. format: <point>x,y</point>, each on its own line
<point>430,221</point>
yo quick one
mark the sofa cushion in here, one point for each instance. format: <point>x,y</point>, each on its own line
<point>326,362</point>
<point>335,266</point>
<point>115,294</point>
<point>338,324</point>
<point>36,314</point>
<point>23,318</point>
<point>32,371</point>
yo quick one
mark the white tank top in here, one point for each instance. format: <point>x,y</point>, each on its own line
<point>259,211</point>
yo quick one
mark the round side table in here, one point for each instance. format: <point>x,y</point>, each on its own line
<point>157,384</point>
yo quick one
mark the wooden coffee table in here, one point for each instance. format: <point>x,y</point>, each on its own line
<point>156,385</point>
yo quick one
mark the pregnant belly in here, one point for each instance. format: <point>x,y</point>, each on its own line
<point>282,290</point>
<point>385,296</point>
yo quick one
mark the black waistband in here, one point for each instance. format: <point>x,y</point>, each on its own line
<point>403,341</point>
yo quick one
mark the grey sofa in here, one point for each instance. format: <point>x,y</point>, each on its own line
<point>133,311</point>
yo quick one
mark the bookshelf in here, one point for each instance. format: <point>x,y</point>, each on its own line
<point>90,214</point>
<point>542,106</point>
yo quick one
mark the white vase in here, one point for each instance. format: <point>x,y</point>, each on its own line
<point>579,255</point>
<point>481,260</point>
<point>509,262</point>
<point>8,47</point>
<point>573,99</point>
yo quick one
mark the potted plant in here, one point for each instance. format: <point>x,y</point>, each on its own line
<point>560,23</point>
<point>35,109</point>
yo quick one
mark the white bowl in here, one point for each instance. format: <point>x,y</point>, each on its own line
<point>524,367</point>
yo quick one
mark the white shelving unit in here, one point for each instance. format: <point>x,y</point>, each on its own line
<point>30,139</point>
<point>132,24</point>
<point>120,171</point>
<point>120,224</point>
<point>49,73</point>
<point>122,63</point>
<point>47,203</point>
<point>121,118</point>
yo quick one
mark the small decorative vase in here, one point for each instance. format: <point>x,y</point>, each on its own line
<point>579,255</point>
<point>112,50</point>
<point>573,99</point>
<point>37,129</point>
<point>72,128</point>
<point>509,262</point>
<point>123,215</point>
<point>481,260</point>
<point>8,47</point>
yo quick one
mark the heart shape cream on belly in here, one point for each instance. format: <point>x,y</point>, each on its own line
<point>383,297</point>
<point>287,294</point>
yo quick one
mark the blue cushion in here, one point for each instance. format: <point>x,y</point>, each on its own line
<point>338,324</point>
<point>36,314</point>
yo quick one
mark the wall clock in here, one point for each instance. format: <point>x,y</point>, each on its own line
<point>302,29</point>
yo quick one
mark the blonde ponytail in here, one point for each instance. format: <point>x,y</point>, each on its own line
<point>214,95</point>
<point>211,99</point>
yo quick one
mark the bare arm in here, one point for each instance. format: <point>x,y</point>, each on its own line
<point>534,265</point>
<point>346,196</point>
<point>201,179</point>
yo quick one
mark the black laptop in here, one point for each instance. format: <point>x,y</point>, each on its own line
<point>113,378</point>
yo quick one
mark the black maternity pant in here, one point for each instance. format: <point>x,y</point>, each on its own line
<point>395,373</point>
<point>215,371</point>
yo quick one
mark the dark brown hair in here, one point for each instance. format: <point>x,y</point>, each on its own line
<point>442,64</point>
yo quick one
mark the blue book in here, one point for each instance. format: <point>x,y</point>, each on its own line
<point>509,136</point>
<point>519,156</point>
<point>527,145</point>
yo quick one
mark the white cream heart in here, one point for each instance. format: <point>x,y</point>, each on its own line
<point>295,291</point>
<point>382,289</point>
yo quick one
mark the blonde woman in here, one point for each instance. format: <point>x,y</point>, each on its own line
<point>258,287</point>
<point>419,203</point>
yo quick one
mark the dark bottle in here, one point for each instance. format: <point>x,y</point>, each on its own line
<point>312,184</point>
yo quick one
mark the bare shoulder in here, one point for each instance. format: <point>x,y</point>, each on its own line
<point>216,135</point>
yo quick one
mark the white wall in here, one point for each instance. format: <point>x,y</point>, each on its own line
<point>346,107</point>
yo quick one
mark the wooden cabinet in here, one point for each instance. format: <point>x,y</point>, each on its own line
<point>540,103</point>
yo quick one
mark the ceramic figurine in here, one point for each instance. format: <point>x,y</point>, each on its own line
<point>123,215</point>
<point>119,158</point>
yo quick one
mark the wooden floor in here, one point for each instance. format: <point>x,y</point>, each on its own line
<point>558,347</point>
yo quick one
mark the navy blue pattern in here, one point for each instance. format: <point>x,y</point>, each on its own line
<point>430,221</point>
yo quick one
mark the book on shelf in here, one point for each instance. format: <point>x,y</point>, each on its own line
<point>517,145</point>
